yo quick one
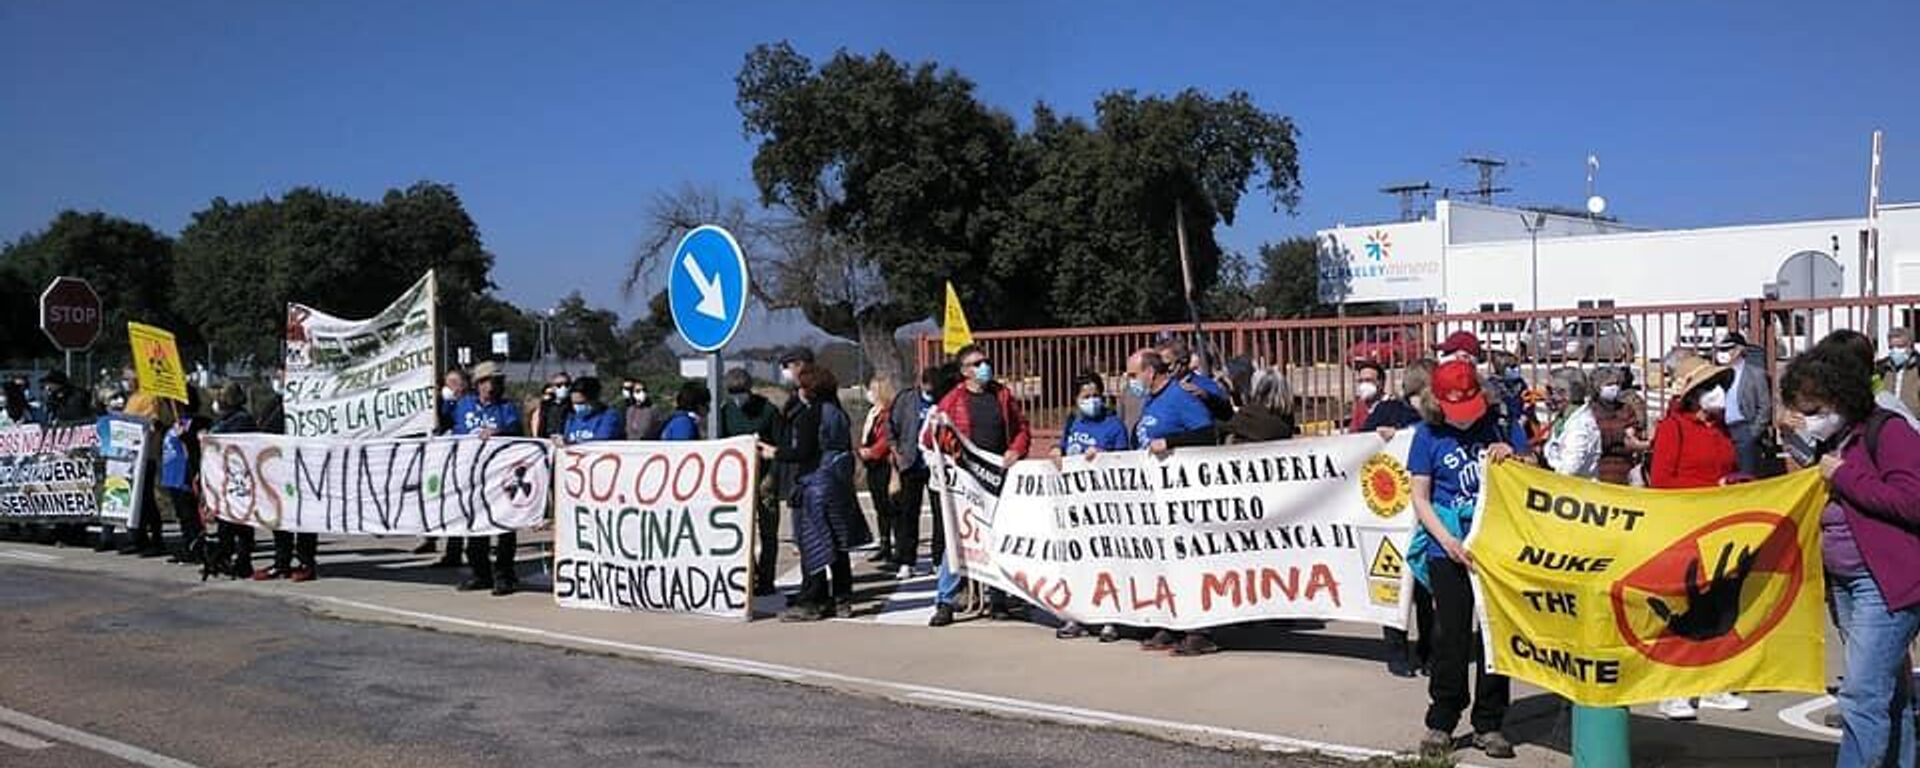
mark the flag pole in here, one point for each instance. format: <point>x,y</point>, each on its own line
<point>1186,277</point>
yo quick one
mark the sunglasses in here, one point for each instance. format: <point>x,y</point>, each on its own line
<point>977,363</point>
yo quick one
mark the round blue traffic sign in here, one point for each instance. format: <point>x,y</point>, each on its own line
<point>707,287</point>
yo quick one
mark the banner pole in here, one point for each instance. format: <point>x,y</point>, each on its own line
<point>713,392</point>
<point>1600,738</point>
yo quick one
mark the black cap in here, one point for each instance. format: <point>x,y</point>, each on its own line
<point>55,377</point>
<point>796,355</point>
<point>1735,339</point>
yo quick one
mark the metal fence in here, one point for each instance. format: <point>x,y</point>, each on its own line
<point>1318,355</point>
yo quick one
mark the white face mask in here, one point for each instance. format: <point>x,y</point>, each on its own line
<point>446,393</point>
<point>1366,390</point>
<point>1714,399</point>
<point>1723,357</point>
<point>787,377</point>
<point>1610,393</point>
<point>1541,413</point>
<point>1820,427</point>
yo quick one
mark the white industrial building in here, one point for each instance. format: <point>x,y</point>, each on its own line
<point>1480,258</point>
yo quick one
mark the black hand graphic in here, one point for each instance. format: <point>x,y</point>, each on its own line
<point>1712,607</point>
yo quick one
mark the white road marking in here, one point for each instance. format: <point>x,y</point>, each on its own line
<point>18,740</point>
<point>1798,716</point>
<point>1266,741</point>
<point>79,738</point>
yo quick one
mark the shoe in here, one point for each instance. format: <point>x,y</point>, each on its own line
<point>1728,702</point>
<point>803,613</point>
<point>429,547</point>
<point>243,572</point>
<point>1110,634</point>
<point>762,590</point>
<point>103,545</point>
<point>299,575</point>
<point>475,585</point>
<point>505,587</point>
<point>1160,641</point>
<point>905,572</point>
<point>1437,744</point>
<point>1679,709</point>
<point>270,574</point>
<point>130,549</point>
<point>1493,744</point>
<point>1399,666</point>
<point>843,609</point>
<point>942,616</point>
<point>1196,644</point>
<point>1070,631</point>
<point>881,555</point>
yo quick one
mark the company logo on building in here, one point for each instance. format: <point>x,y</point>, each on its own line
<point>1379,245</point>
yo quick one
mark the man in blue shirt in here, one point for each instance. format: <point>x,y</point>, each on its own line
<point>591,420</point>
<point>1170,416</point>
<point>1202,386</point>
<point>486,413</point>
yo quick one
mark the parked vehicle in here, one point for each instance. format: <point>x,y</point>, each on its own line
<point>1588,339</point>
<point>1705,332</point>
<point>1388,346</point>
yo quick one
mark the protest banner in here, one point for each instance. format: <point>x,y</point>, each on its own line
<point>1201,538</point>
<point>655,526</point>
<point>123,473</point>
<point>48,475</point>
<point>448,486</point>
<point>156,362</point>
<point>1612,595</point>
<point>363,378</point>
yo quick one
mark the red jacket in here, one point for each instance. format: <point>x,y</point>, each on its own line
<point>1019,436</point>
<point>874,444</point>
<point>1688,453</point>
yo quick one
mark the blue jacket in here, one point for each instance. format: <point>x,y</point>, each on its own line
<point>1105,433</point>
<point>470,416</point>
<point>1171,412</point>
<point>683,426</point>
<point>602,423</point>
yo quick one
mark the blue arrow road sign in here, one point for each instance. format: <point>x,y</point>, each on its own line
<point>707,287</point>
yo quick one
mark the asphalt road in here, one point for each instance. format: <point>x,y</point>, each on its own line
<point>214,678</point>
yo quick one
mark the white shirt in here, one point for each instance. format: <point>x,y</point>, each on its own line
<point>1574,447</point>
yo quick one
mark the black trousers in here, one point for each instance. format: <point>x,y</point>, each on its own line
<point>766,527</point>
<point>500,566</point>
<point>1422,649</point>
<point>288,545</point>
<point>237,539</point>
<point>1454,650</point>
<point>152,530</point>
<point>906,517</point>
<point>938,547</point>
<point>824,588</point>
<point>186,510</point>
<point>878,476</point>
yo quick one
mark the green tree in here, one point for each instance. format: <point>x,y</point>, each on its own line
<point>579,331</point>
<point>126,262</point>
<point>1289,284</point>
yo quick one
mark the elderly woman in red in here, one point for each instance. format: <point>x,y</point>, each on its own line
<point>1692,449</point>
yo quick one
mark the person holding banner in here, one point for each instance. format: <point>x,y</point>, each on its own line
<point>827,522</point>
<point>235,539</point>
<point>149,536</point>
<point>454,391</point>
<point>590,420</point>
<point>1091,429</point>
<point>747,413</point>
<point>484,414</point>
<point>1460,431</point>
<point>985,411</point>
<point>1870,544</point>
<point>1406,659</point>
<point>688,404</point>
<point>1170,417</point>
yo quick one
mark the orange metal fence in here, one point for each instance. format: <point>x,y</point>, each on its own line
<point>1318,355</point>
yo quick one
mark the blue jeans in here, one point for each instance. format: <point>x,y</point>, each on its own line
<point>1876,698</point>
<point>946,585</point>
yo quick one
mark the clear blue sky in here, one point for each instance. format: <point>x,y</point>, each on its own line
<point>557,121</point>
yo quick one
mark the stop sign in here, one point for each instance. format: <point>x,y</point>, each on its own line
<point>70,313</point>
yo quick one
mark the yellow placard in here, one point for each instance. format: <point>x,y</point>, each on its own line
<point>156,361</point>
<point>1611,596</point>
<point>954,332</point>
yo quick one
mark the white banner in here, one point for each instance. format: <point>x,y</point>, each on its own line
<point>49,474</point>
<point>655,526</point>
<point>1311,528</point>
<point>363,378</point>
<point>124,476</point>
<point>465,486</point>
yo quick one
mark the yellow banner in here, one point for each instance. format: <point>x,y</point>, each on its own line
<point>954,332</point>
<point>156,361</point>
<point>1610,595</point>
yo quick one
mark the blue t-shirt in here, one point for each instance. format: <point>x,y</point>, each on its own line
<point>470,416</point>
<point>1105,433</point>
<point>1170,412</point>
<point>173,461</point>
<point>683,426</point>
<point>593,426</point>
<point>1451,459</point>
<point>1207,384</point>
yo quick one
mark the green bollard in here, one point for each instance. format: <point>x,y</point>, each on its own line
<point>1600,737</point>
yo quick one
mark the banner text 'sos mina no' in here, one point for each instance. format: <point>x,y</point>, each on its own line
<point>1311,528</point>
<point>1610,595</point>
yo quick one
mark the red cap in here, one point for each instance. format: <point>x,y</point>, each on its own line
<point>1457,386</point>
<point>1461,341</point>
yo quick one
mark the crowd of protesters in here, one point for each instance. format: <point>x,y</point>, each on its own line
<point>1839,407</point>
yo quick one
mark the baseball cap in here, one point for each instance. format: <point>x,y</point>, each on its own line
<point>1461,341</point>
<point>1457,388</point>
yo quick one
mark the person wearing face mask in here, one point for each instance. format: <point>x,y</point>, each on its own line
<point>985,411</point>
<point>875,452</point>
<point>1622,433</point>
<point>1268,413</point>
<point>1870,546</point>
<point>1393,414</point>
<point>827,523</point>
<point>556,406</point>
<point>1091,428</point>
<point>454,391</point>
<point>745,412</point>
<point>1369,381</point>
<point>1170,417</point>
<point>1898,374</point>
<point>905,419</point>
<point>1405,658</point>
<point>1749,411</point>
<point>1459,430</point>
<point>643,420</point>
<point>1692,449</point>
<point>689,413</point>
<point>1572,445</point>
<point>1185,365</point>
<point>590,420</point>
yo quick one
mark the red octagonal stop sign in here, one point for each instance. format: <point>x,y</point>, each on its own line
<point>70,313</point>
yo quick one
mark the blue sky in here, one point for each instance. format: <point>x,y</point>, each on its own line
<point>558,121</point>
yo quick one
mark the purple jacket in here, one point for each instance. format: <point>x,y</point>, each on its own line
<point>1883,508</point>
